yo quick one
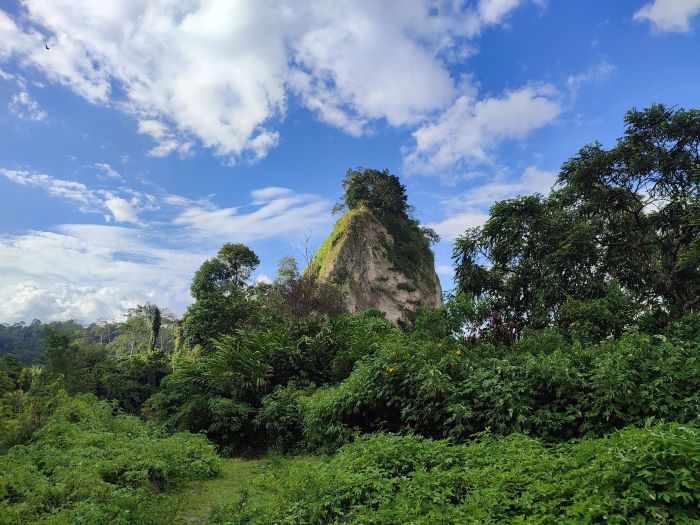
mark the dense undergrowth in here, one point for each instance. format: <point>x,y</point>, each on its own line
<point>637,475</point>
<point>80,463</point>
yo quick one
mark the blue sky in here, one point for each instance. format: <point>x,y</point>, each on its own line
<point>151,132</point>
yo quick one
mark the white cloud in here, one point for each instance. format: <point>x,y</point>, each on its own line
<point>592,74</point>
<point>124,208</point>
<point>669,15</point>
<point>493,11</point>
<point>167,141</point>
<point>455,225</point>
<point>24,106</point>
<point>108,171</point>
<point>70,190</point>
<point>222,71</point>
<point>87,272</point>
<point>468,130</point>
<point>470,209</point>
<point>271,192</point>
<point>280,211</point>
<point>445,269</point>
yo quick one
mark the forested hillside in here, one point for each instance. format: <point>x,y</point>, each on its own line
<point>558,383</point>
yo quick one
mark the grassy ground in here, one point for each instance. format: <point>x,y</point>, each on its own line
<point>237,483</point>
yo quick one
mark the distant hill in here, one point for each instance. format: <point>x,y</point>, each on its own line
<point>26,341</point>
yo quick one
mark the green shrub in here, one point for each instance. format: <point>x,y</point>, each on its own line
<point>647,475</point>
<point>541,386</point>
<point>281,419</point>
<point>84,465</point>
<point>226,394</point>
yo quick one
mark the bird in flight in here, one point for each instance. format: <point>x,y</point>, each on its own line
<point>46,46</point>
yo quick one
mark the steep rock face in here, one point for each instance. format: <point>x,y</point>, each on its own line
<point>373,271</point>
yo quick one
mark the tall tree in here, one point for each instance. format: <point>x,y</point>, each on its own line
<point>152,314</point>
<point>221,295</point>
<point>230,269</point>
<point>622,220</point>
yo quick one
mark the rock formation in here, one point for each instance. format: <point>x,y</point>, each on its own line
<point>379,261</point>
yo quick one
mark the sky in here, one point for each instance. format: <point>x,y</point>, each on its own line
<point>138,136</point>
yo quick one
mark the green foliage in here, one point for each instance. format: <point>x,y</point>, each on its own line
<point>380,191</point>
<point>130,380</point>
<point>542,386</point>
<point>223,303</point>
<point>225,393</point>
<point>281,418</point>
<point>85,465</point>
<point>648,475</point>
<point>13,375</point>
<point>76,365</point>
<point>592,321</point>
<point>230,269</point>
<point>26,341</point>
<point>628,216</point>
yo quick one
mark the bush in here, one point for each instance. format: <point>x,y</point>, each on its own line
<point>224,393</point>
<point>648,475</point>
<point>84,465</point>
<point>281,419</point>
<point>542,386</point>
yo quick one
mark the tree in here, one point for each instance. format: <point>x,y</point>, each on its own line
<point>621,221</point>
<point>641,198</point>
<point>10,373</point>
<point>222,299</point>
<point>287,270</point>
<point>378,190</point>
<point>152,315</point>
<point>230,269</point>
<point>77,365</point>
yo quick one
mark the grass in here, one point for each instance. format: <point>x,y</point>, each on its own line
<point>239,483</point>
<point>326,253</point>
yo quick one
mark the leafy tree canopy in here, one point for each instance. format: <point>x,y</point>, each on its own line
<point>231,268</point>
<point>378,190</point>
<point>624,220</point>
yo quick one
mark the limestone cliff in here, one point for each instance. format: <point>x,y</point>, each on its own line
<point>379,263</point>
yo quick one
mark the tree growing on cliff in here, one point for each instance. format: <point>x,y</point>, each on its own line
<point>378,190</point>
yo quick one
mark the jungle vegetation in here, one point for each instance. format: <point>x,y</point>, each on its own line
<point>557,384</point>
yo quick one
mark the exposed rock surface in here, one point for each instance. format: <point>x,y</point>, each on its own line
<point>360,256</point>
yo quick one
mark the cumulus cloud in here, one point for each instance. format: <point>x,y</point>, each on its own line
<point>87,272</point>
<point>24,106</point>
<point>470,128</point>
<point>470,209</point>
<point>222,72</point>
<point>669,15</point>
